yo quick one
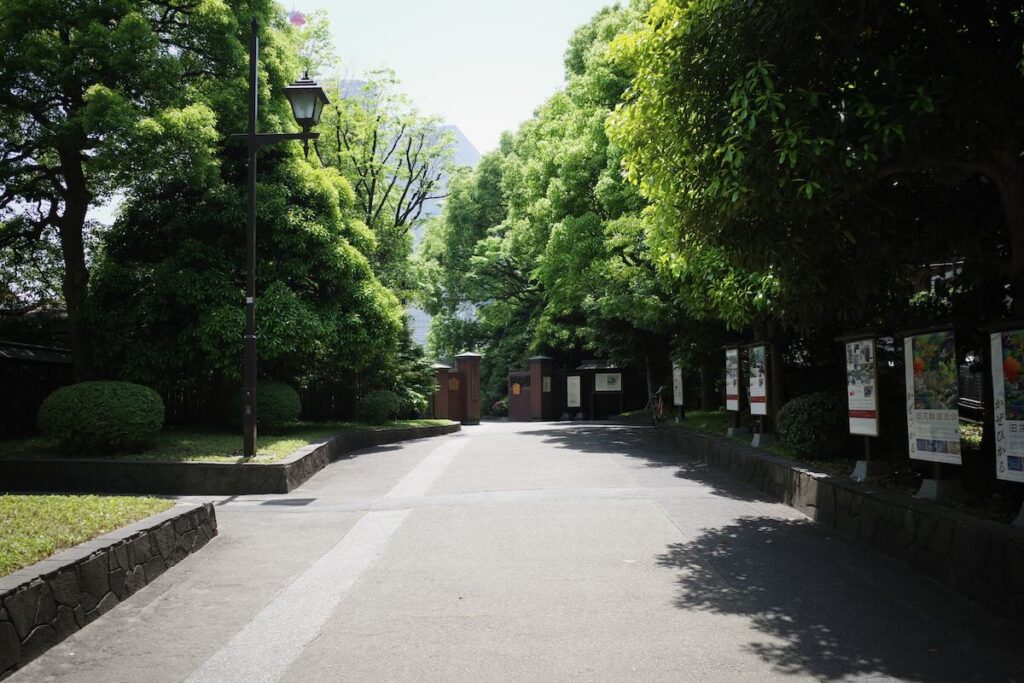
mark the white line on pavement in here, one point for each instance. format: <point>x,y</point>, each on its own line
<point>267,645</point>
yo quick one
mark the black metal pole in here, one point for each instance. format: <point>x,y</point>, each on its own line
<point>249,361</point>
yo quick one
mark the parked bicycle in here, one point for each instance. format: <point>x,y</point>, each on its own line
<point>656,406</point>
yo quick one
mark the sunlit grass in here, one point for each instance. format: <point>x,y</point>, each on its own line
<point>34,527</point>
<point>207,445</point>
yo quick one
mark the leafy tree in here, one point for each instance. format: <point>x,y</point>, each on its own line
<point>81,82</point>
<point>396,160</point>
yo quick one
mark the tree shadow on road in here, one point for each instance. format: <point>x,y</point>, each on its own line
<point>639,443</point>
<point>818,618</point>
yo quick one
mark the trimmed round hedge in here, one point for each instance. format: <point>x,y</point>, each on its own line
<point>95,417</point>
<point>277,405</point>
<point>379,406</point>
<point>814,424</point>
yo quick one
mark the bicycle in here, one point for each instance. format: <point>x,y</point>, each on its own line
<point>656,406</point>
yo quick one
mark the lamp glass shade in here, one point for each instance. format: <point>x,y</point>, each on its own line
<point>307,99</point>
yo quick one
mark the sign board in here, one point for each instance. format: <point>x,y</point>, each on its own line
<point>758,380</point>
<point>1008,403</point>
<point>546,385</point>
<point>933,424</point>
<point>517,389</point>
<point>677,384</point>
<point>732,379</point>
<point>572,387</point>
<point>862,386</point>
<point>608,381</point>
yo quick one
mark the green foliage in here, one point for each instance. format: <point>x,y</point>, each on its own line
<point>277,406</point>
<point>814,425</point>
<point>379,406</point>
<point>93,417</point>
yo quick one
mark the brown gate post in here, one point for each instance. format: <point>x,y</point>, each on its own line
<point>440,402</point>
<point>469,365</point>
<point>540,398</point>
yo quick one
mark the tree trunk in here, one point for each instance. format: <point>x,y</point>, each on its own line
<point>708,375</point>
<point>76,273</point>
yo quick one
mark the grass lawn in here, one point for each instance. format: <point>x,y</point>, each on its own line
<point>178,444</point>
<point>34,527</point>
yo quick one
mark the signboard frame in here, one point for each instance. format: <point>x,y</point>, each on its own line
<point>608,382</point>
<point>862,384</point>
<point>573,391</point>
<point>757,378</point>
<point>933,418</point>
<point>732,382</point>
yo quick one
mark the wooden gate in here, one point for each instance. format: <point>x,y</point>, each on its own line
<point>519,397</point>
<point>456,397</point>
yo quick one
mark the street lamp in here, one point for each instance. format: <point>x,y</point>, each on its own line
<point>307,100</point>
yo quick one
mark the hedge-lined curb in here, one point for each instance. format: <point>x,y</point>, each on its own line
<point>48,601</point>
<point>980,559</point>
<point>197,478</point>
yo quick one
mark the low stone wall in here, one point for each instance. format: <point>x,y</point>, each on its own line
<point>981,559</point>
<point>43,604</point>
<point>197,478</point>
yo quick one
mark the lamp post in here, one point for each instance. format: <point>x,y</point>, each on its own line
<point>307,100</point>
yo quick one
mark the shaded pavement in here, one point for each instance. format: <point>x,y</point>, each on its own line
<point>537,552</point>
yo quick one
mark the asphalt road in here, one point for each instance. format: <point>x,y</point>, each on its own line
<point>541,552</point>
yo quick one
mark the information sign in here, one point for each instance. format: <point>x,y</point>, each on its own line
<point>758,380</point>
<point>933,424</point>
<point>608,381</point>
<point>572,387</point>
<point>1008,403</point>
<point>677,384</point>
<point>862,386</point>
<point>732,379</point>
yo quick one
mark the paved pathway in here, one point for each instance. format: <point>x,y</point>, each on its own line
<point>543,552</point>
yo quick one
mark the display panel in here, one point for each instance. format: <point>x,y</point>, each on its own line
<point>758,380</point>
<point>862,386</point>
<point>732,379</point>
<point>572,386</point>
<point>1008,403</point>
<point>933,424</point>
<point>677,384</point>
<point>608,381</point>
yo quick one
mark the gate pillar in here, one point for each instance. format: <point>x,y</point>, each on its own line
<point>469,365</point>
<point>540,381</point>
<point>439,404</point>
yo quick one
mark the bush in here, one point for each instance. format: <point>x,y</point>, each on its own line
<point>277,404</point>
<point>500,407</point>
<point>102,417</point>
<point>815,424</point>
<point>379,406</point>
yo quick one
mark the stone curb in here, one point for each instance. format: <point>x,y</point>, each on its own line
<point>197,478</point>
<point>980,559</point>
<point>45,603</point>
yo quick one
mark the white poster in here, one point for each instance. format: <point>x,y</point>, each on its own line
<point>862,387</point>
<point>933,423</point>
<point>677,384</point>
<point>732,379</point>
<point>572,387</point>
<point>1008,403</point>
<point>546,385</point>
<point>758,380</point>
<point>608,381</point>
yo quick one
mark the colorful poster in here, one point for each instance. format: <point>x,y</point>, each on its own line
<point>758,380</point>
<point>677,384</point>
<point>1008,403</point>
<point>933,423</point>
<point>862,387</point>
<point>608,381</point>
<point>732,379</point>
<point>572,388</point>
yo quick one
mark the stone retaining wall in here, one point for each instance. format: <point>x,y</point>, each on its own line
<point>981,559</point>
<point>197,478</point>
<point>43,604</point>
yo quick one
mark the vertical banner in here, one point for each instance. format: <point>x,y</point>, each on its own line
<point>758,380</point>
<point>572,389</point>
<point>1008,403</point>
<point>732,379</point>
<point>677,384</point>
<point>862,386</point>
<point>933,423</point>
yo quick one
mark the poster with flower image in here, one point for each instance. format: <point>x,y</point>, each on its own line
<point>933,423</point>
<point>1008,403</point>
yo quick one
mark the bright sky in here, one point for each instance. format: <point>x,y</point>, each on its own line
<point>483,65</point>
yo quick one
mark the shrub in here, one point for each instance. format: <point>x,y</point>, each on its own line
<point>94,417</point>
<point>277,404</point>
<point>379,406</point>
<point>500,407</point>
<point>814,424</point>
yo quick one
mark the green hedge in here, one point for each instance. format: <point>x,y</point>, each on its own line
<point>277,405</point>
<point>102,417</point>
<point>379,406</point>
<point>815,425</point>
